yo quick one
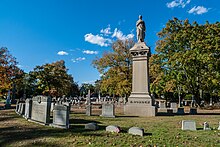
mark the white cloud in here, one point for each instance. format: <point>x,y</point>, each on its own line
<point>78,59</point>
<point>89,82</point>
<point>90,52</point>
<point>106,31</point>
<point>62,53</point>
<point>118,34</point>
<point>198,10</point>
<point>178,3</point>
<point>96,39</point>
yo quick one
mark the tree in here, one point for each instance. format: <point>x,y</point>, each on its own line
<point>52,79</point>
<point>115,68</point>
<point>10,74</point>
<point>188,55</point>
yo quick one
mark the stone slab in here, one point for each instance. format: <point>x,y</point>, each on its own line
<point>91,126</point>
<point>188,125</point>
<point>193,111</point>
<point>108,110</point>
<point>136,131</point>
<point>61,116</point>
<point>113,128</point>
<point>139,110</point>
<point>180,111</point>
<point>41,109</point>
<point>28,108</point>
<point>88,110</point>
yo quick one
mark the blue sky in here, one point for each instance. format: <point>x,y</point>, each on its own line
<point>37,32</point>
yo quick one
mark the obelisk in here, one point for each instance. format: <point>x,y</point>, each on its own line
<point>140,102</point>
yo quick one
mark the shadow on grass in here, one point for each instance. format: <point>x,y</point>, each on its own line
<point>7,118</point>
<point>11,134</point>
<point>17,132</point>
<point>82,121</point>
<point>124,116</point>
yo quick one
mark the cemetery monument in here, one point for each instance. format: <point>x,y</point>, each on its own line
<point>140,102</point>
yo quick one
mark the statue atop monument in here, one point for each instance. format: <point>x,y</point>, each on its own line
<point>140,25</point>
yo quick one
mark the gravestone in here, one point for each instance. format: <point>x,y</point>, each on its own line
<point>180,111</point>
<point>88,105</point>
<point>61,116</point>
<point>41,109</point>
<point>162,104</point>
<point>136,131</point>
<point>8,101</point>
<point>219,126</point>
<point>21,110</point>
<point>28,108</point>
<point>52,106</point>
<point>17,107</point>
<point>108,110</point>
<point>193,111</point>
<point>113,128</point>
<point>91,126</point>
<point>170,111</point>
<point>174,107</point>
<point>206,126</point>
<point>188,125</point>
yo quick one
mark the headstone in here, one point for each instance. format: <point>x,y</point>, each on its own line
<point>108,110</point>
<point>21,110</point>
<point>136,131</point>
<point>188,125</point>
<point>193,111</point>
<point>180,111</point>
<point>219,126</point>
<point>113,128</point>
<point>91,126</point>
<point>88,105</point>
<point>169,111</point>
<point>162,104</point>
<point>52,106</point>
<point>61,116</point>
<point>206,126</point>
<point>174,107</point>
<point>8,101</point>
<point>41,109</point>
<point>28,108</point>
<point>17,107</point>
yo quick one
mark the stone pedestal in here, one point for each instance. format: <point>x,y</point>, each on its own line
<point>140,102</point>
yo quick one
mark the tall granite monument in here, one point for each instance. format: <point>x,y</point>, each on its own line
<point>140,102</point>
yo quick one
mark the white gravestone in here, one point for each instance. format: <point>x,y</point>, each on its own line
<point>108,110</point>
<point>113,128</point>
<point>61,116</point>
<point>136,131</point>
<point>41,109</point>
<point>188,125</point>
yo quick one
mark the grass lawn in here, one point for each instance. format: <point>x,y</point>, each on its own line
<point>159,130</point>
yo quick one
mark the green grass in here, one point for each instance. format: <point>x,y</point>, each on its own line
<point>159,131</point>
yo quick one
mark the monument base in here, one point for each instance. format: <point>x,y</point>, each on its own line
<point>139,104</point>
<point>139,110</point>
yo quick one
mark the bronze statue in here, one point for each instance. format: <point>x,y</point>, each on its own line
<point>140,29</point>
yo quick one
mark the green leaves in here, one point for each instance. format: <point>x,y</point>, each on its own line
<point>188,55</point>
<point>116,68</point>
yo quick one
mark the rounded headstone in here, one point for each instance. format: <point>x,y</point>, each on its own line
<point>136,131</point>
<point>113,128</point>
<point>91,126</point>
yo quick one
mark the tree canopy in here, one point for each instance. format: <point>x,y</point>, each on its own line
<point>187,57</point>
<point>53,79</point>
<point>9,71</point>
<point>115,68</point>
